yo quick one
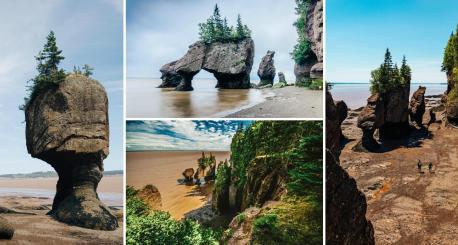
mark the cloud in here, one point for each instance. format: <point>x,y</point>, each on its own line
<point>161,31</point>
<point>180,135</point>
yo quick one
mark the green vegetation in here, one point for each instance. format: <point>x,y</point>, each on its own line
<point>145,226</point>
<point>49,73</point>
<point>216,29</point>
<point>450,61</point>
<point>297,220</point>
<point>302,50</point>
<point>388,77</point>
<point>314,84</point>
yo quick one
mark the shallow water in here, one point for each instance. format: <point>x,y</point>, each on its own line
<point>145,100</point>
<point>111,199</point>
<point>355,94</point>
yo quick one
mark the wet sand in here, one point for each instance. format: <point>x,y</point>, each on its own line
<point>163,169</point>
<point>404,205</point>
<point>286,102</point>
<point>35,196</point>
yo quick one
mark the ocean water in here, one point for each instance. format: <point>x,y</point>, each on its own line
<point>111,199</point>
<point>145,100</point>
<point>355,94</point>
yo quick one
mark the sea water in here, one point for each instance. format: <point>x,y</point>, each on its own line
<point>355,94</point>
<point>145,100</point>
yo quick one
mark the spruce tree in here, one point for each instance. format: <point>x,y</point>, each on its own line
<point>448,60</point>
<point>405,72</point>
<point>87,70</point>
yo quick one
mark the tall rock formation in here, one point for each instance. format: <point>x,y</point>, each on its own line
<point>170,78</point>
<point>230,63</point>
<point>266,71</point>
<point>346,221</point>
<point>371,118</point>
<point>417,106</point>
<point>313,66</point>
<point>396,104</point>
<point>67,126</point>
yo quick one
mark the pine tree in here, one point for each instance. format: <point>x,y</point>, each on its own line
<point>448,60</point>
<point>49,73</point>
<point>405,72</point>
<point>87,70</point>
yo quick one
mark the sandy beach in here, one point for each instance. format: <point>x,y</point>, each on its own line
<point>163,169</point>
<point>288,101</point>
<point>34,196</point>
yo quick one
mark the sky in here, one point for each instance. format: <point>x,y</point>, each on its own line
<point>359,31</point>
<point>160,31</point>
<point>88,32</point>
<point>181,135</point>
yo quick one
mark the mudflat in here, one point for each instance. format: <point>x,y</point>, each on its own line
<point>164,170</point>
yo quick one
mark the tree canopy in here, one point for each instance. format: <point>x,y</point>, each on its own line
<point>217,29</point>
<point>388,76</point>
<point>302,50</point>
<point>450,60</point>
<point>49,73</point>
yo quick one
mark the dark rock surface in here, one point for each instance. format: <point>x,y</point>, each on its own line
<point>333,131</point>
<point>342,110</point>
<point>170,78</point>
<point>417,106</point>
<point>346,207</point>
<point>67,126</point>
<point>230,63</point>
<point>6,229</point>
<point>396,122</point>
<point>266,71</point>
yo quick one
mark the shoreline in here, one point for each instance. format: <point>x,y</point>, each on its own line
<point>289,101</point>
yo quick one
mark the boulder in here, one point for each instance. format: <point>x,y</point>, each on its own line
<point>6,229</point>
<point>369,119</point>
<point>170,78</point>
<point>281,78</point>
<point>346,207</point>
<point>266,71</point>
<point>151,196</point>
<point>302,71</point>
<point>230,63</point>
<point>188,174</point>
<point>67,126</point>
<point>417,106</point>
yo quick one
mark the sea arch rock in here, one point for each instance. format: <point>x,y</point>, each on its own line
<point>67,127</point>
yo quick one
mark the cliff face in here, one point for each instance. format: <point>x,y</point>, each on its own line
<point>230,63</point>
<point>67,126</point>
<point>345,204</point>
<point>313,66</point>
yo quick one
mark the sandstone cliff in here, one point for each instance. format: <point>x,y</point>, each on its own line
<point>67,126</point>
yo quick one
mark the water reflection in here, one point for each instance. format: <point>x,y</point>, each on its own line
<point>144,100</point>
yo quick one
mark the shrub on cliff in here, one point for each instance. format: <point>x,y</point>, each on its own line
<point>388,76</point>
<point>302,50</point>
<point>145,226</point>
<point>216,29</point>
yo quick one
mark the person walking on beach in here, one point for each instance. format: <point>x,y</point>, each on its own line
<point>419,165</point>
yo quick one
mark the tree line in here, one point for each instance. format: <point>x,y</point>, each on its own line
<point>450,61</point>
<point>216,29</point>
<point>388,76</point>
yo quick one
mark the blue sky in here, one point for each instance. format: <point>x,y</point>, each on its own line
<point>160,31</point>
<point>88,31</point>
<point>359,31</point>
<point>181,135</point>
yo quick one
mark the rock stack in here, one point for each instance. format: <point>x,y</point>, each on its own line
<point>6,230</point>
<point>151,196</point>
<point>313,67</point>
<point>346,221</point>
<point>67,126</point>
<point>266,71</point>
<point>417,106</point>
<point>230,63</point>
